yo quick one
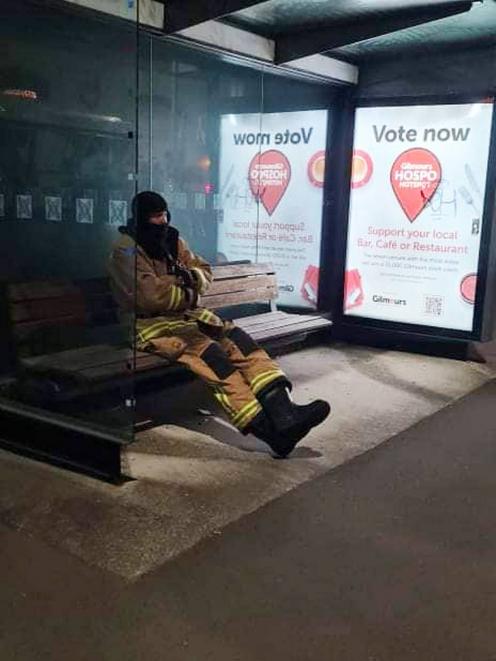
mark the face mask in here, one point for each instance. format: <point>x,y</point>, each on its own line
<point>153,239</point>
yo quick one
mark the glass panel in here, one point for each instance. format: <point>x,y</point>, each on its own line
<point>294,127</point>
<point>191,93</point>
<point>277,159</point>
<point>207,128</point>
<point>68,136</point>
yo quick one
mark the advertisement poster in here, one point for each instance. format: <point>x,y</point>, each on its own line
<point>418,187</point>
<point>271,191</point>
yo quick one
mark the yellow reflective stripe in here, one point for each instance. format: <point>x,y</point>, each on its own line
<point>261,384</point>
<point>242,412</point>
<point>260,376</point>
<point>250,415</point>
<point>246,413</point>
<point>201,276</point>
<point>224,401</point>
<point>180,296</point>
<point>206,315</point>
<point>264,378</point>
<point>172,299</point>
<point>176,297</point>
<point>147,333</point>
<point>203,280</point>
<point>153,331</point>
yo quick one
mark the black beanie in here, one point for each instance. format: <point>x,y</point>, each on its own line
<point>158,241</point>
<point>145,204</point>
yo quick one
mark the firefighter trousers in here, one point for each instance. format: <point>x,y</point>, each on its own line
<point>233,365</point>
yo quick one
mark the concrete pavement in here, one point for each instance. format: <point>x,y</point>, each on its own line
<point>389,556</point>
<point>196,474</point>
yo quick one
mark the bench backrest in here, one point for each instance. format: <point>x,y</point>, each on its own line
<point>53,315</point>
<point>48,316</point>
<point>235,284</point>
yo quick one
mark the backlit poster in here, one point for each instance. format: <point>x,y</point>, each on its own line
<point>418,187</point>
<point>271,192</point>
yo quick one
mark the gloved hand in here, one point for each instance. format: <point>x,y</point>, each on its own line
<point>191,296</point>
<point>188,277</point>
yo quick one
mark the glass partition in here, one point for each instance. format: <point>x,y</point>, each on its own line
<point>239,153</point>
<point>68,85</point>
<point>190,94</point>
<point>288,180</point>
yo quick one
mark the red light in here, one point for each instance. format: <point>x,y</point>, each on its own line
<point>22,94</point>
<point>208,188</point>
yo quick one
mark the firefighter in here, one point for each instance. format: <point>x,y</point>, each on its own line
<point>158,283</point>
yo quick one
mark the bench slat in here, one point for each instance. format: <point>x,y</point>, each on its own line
<point>287,320</point>
<point>48,309</point>
<point>30,291</point>
<point>258,295</point>
<point>256,319</point>
<point>221,272</point>
<point>145,361</point>
<point>268,322</point>
<point>262,320</point>
<point>292,329</point>
<point>27,328</point>
<point>240,284</point>
<point>123,368</point>
<point>75,360</point>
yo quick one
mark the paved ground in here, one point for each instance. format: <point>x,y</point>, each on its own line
<point>389,557</point>
<point>197,475</point>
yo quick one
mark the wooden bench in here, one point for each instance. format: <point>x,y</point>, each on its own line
<point>67,333</point>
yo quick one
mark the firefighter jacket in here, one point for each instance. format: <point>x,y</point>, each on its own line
<point>152,297</point>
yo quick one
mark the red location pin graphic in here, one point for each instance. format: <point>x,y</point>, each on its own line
<point>415,177</point>
<point>269,176</point>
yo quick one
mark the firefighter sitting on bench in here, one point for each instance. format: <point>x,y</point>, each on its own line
<point>152,268</point>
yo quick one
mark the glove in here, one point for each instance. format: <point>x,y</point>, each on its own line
<point>187,277</point>
<point>191,296</point>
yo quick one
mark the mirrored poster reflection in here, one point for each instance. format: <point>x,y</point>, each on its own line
<point>418,188</point>
<point>272,171</point>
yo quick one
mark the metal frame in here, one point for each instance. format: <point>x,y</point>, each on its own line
<point>309,42</point>
<point>336,200</point>
<point>364,327</point>
<point>182,14</point>
<point>221,38</point>
<point>151,12</point>
<point>61,442</point>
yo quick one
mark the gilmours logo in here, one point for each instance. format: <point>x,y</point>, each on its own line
<point>386,300</point>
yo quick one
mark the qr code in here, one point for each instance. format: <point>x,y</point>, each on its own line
<point>433,305</point>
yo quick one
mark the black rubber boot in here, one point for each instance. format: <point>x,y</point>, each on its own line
<point>291,422</point>
<point>262,428</point>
